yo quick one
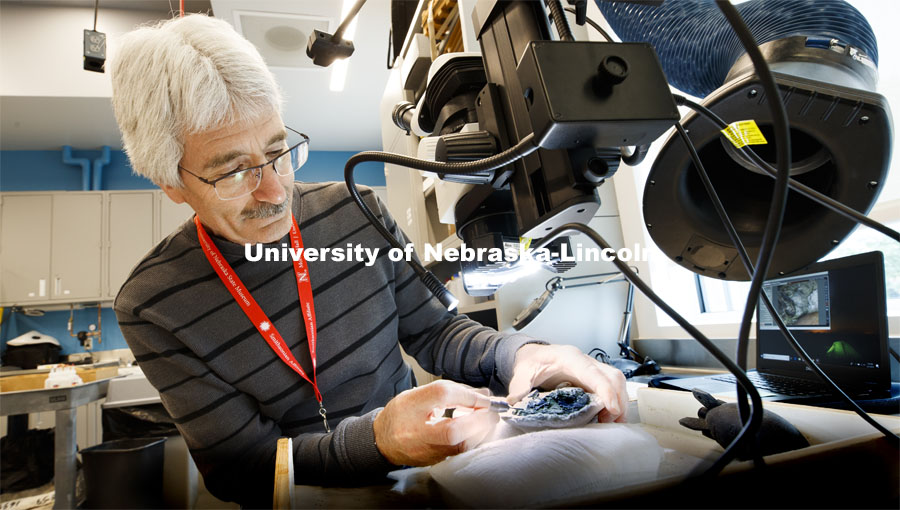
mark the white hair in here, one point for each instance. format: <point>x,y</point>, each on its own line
<point>183,76</point>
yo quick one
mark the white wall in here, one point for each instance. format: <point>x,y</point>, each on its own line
<point>41,48</point>
<point>586,317</point>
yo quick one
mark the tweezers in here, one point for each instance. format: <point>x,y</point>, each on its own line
<point>498,406</point>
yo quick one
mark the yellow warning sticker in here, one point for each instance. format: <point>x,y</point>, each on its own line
<point>744,132</point>
<point>525,242</point>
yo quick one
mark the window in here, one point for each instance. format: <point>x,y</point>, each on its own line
<point>866,239</point>
<point>718,296</point>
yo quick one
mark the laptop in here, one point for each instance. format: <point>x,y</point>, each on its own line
<point>837,310</point>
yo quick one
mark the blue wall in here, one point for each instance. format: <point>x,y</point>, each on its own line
<point>45,171</point>
<point>54,324</point>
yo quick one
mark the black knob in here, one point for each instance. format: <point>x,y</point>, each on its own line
<point>612,71</point>
<point>595,170</point>
<point>468,146</point>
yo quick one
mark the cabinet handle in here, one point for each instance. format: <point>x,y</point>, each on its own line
<point>42,287</point>
<point>58,286</point>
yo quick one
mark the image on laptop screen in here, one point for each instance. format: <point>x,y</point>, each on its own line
<point>801,302</point>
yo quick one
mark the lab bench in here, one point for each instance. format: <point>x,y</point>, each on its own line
<point>848,463</point>
<point>64,402</point>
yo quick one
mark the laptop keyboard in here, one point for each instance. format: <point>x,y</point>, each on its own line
<point>779,384</point>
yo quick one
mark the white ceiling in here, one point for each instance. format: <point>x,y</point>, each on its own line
<point>347,120</point>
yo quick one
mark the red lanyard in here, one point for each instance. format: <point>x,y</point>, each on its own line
<point>258,317</point>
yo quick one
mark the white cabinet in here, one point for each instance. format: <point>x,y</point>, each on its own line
<point>50,247</point>
<point>25,247</point>
<point>171,215</point>
<point>78,247</point>
<point>136,221</point>
<point>129,234</point>
<point>75,246</point>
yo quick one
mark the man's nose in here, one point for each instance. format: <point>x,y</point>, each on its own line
<point>270,187</point>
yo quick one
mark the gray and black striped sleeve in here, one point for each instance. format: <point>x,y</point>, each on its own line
<point>233,444</point>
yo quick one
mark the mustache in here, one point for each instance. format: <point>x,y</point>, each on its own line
<point>264,210</point>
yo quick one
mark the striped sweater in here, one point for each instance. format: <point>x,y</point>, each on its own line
<point>231,397</point>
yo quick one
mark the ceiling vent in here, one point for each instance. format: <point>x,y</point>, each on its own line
<point>281,38</point>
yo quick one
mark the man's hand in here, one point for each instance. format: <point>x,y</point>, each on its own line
<point>404,437</point>
<point>548,366</point>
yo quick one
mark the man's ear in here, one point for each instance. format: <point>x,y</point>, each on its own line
<point>175,194</point>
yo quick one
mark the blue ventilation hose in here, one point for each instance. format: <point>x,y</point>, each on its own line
<point>697,47</point>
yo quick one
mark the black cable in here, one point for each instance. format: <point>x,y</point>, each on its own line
<point>776,211</point>
<point>390,63</point>
<point>346,22</point>
<point>592,23</point>
<point>523,148</point>
<point>604,357</point>
<point>96,7</point>
<point>812,194</point>
<point>526,146</point>
<point>894,353</point>
<point>559,19</point>
<point>748,265</point>
<point>739,374</point>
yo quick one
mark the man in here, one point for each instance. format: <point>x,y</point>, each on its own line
<point>225,340</point>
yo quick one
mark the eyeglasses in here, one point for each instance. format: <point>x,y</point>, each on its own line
<point>241,182</point>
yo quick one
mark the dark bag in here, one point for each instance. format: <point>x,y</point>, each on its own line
<point>26,460</point>
<point>30,356</point>
<point>137,422</point>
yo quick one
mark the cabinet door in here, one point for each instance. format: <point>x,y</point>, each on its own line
<point>171,215</point>
<point>25,248</point>
<point>75,242</point>
<point>130,235</point>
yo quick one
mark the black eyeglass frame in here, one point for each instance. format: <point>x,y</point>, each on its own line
<point>252,168</point>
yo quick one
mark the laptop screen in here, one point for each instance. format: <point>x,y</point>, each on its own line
<point>838,312</point>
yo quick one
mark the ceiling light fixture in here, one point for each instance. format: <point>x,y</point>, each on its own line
<point>339,71</point>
